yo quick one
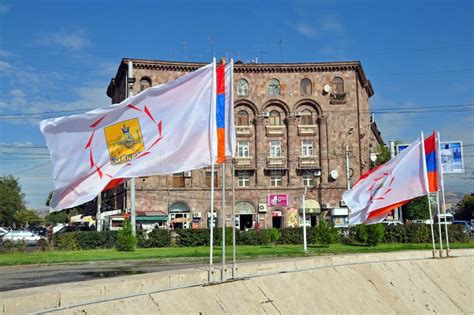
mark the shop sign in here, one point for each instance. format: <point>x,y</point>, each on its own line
<point>292,217</point>
<point>277,213</point>
<point>277,200</point>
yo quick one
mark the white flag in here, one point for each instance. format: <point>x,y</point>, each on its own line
<point>165,129</point>
<point>230,143</point>
<point>387,186</point>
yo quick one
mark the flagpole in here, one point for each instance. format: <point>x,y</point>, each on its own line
<point>213,128</point>
<point>128,93</point>
<point>441,180</point>
<point>98,221</point>
<point>234,265</point>
<point>439,226</point>
<point>223,222</point>
<point>425,176</point>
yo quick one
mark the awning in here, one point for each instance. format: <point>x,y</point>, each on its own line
<point>244,207</point>
<point>311,206</point>
<point>155,218</point>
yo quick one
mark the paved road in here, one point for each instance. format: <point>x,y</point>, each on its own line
<point>18,277</point>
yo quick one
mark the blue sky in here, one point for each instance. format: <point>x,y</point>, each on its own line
<point>60,55</point>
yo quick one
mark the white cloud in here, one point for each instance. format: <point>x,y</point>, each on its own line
<point>17,93</point>
<point>306,30</point>
<point>332,24</point>
<point>70,40</point>
<point>3,8</point>
<point>5,53</point>
<point>5,66</point>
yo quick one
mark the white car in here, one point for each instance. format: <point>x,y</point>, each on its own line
<point>3,231</point>
<point>17,236</point>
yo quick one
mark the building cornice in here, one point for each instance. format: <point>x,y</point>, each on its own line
<point>356,66</point>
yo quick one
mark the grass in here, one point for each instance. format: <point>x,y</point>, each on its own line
<point>201,254</point>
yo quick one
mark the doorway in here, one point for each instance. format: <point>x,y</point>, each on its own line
<point>277,222</point>
<point>246,221</point>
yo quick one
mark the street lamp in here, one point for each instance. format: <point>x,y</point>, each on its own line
<point>304,221</point>
<point>346,153</point>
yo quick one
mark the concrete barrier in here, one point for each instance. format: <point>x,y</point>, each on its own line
<point>399,282</point>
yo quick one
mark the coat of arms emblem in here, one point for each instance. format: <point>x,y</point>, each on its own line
<point>124,141</point>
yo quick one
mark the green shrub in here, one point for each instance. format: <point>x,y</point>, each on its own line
<point>254,237</point>
<point>42,244</point>
<point>417,233</point>
<point>195,237</point>
<point>228,235</point>
<point>67,241</point>
<point>8,246</point>
<point>456,233</point>
<point>85,240</point>
<point>126,241</point>
<point>395,234</point>
<point>274,235</point>
<point>325,233</point>
<point>158,238</point>
<point>361,233</point>
<point>347,235</point>
<point>374,234</point>
<point>291,236</point>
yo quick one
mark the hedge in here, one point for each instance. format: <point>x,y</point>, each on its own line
<point>85,240</point>
<point>295,235</point>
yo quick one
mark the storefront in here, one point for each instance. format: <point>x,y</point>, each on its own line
<point>277,219</point>
<point>179,216</point>
<point>340,217</point>
<point>312,211</point>
<point>244,215</point>
<point>148,220</point>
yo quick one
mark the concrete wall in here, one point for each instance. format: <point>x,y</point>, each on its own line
<point>407,282</point>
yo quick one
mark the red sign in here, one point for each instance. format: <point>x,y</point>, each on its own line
<point>277,213</point>
<point>277,200</point>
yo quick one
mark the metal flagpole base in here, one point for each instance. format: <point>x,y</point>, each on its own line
<point>447,252</point>
<point>210,274</point>
<point>223,273</point>
<point>234,271</point>
<point>434,253</point>
<point>440,253</point>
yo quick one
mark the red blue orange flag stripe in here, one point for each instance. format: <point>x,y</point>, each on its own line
<point>431,165</point>
<point>220,113</point>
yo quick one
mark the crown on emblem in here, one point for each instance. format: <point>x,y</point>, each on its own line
<point>125,129</point>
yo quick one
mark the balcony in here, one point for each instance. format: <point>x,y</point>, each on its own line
<point>338,98</point>
<point>244,163</point>
<point>308,162</point>
<point>244,131</point>
<point>307,130</point>
<point>275,130</point>
<point>276,162</point>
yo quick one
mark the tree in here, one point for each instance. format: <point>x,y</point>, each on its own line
<point>383,155</point>
<point>30,217</point>
<point>465,208</point>
<point>417,209</point>
<point>56,217</point>
<point>11,199</point>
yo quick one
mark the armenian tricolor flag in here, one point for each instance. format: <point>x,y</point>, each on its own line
<point>220,113</point>
<point>431,164</point>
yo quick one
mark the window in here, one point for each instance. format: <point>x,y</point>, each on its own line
<point>306,88</point>
<point>243,149</point>
<point>242,88</point>
<point>275,148</point>
<point>209,179</point>
<point>244,179</point>
<point>275,180</point>
<point>338,85</point>
<point>242,118</point>
<point>307,148</point>
<point>178,180</point>
<point>308,180</point>
<point>275,118</point>
<point>145,83</point>
<point>274,87</point>
<point>306,117</point>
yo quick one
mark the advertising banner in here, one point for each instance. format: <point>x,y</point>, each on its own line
<point>451,156</point>
<point>277,200</point>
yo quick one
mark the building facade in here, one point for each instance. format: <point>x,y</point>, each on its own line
<point>295,123</point>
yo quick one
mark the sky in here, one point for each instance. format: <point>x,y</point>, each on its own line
<point>61,55</point>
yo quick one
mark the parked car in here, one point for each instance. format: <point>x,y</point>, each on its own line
<point>17,236</point>
<point>74,228</point>
<point>466,224</point>
<point>3,231</point>
<point>38,230</point>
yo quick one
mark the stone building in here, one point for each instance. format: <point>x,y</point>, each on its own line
<point>293,122</point>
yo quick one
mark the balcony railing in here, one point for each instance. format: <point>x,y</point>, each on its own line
<point>275,130</point>
<point>243,162</point>
<point>244,131</point>
<point>307,130</point>
<point>307,161</point>
<point>338,98</point>
<point>276,162</point>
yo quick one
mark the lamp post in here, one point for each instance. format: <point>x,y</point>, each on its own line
<point>304,221</point>
<point>346,154</point>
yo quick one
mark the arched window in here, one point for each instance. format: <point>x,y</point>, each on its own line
<point>337,85</point>
<point>145,83</point>
<point>306,117</point>
<point>275,118</point>
<point>242,88</point>
<point>242,118</point>
<point>274,87</point>
<point>306,88</point>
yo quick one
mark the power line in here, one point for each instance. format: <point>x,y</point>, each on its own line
<point>31,168</point>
